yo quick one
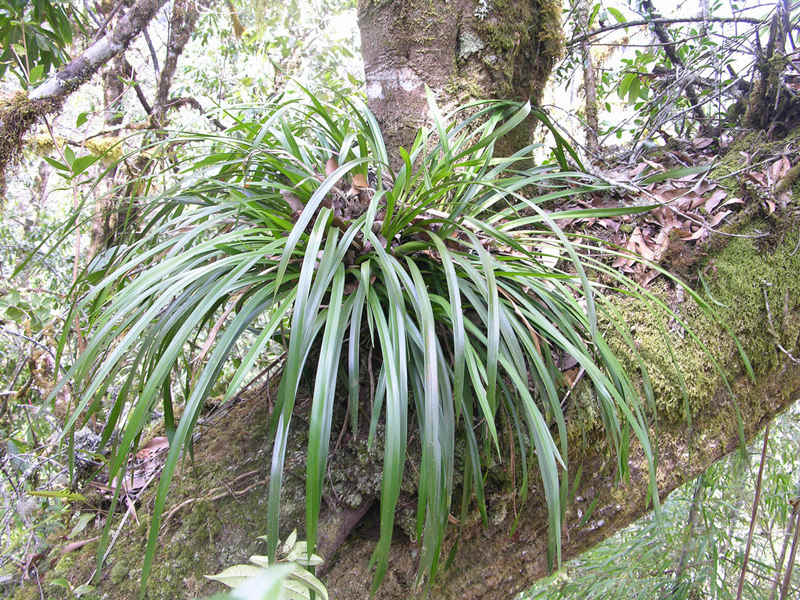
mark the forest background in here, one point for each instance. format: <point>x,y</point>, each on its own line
<point>689,105</point>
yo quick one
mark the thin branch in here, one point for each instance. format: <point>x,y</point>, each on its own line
<point>787,579</point>
<point>786,536</point>
<point>80,69</point>
<point>17,118</point>
<point>29,339</point>
<point>104,25</point>
<point>189,101</point>
<point>142,99</point>
<point>697,499</point>
<point>181,25</point>
<point>669,49</point>
<point>661,21</point>
<point>152,49</point>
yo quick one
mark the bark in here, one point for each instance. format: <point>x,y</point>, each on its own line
<point>104,217</point>
<point>181,25</point>
<point>79,70</point>
<point>114,87</point>
<point>461,49</point>
<point>238,28</point>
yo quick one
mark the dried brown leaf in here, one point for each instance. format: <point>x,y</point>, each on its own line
<point>702,187</point>
<point>778,169</point>
<point>696,202</point>
<point>731,201</point>
<point>610,224</point>
<point>157,443</point>
<point>717,218</point>
<point>331,166</point>
<point>717,197</point>
<point>661,244</point>
<point>703,142</point>
<point>700,232</point>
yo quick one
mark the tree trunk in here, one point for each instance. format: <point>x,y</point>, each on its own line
<point>104,219</point>
<point>461,49</point>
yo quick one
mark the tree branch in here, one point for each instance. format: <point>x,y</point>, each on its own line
<point>660,21</point>
<point>18,115</point>
<point>669,49</point>
<point>153,54</point>
<point>80,69</point>
<point>189,101</point>
<point>181,24</point>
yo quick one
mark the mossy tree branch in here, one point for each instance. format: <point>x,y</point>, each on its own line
<point>80,69</point>
<point>19,115</point>
<point>504,557</point>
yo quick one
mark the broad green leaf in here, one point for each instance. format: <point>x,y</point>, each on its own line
<point>236,575</point>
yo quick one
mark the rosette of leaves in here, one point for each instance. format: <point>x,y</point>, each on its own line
<point>291,229</point>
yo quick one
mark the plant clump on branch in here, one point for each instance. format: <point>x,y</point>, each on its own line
<point>294,232</point>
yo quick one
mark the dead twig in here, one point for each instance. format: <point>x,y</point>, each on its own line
<point>215,494</point>
<point>660,21</point>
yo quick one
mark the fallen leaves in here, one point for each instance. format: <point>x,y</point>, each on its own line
<point>693,206</point>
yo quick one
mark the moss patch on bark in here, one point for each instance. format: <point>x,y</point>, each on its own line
<point>17,116</point>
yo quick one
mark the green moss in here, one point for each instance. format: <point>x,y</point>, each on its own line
<point>28,591</point>
<point>108,147</point>
<point>119,572</point>
<point>17,115</point>
<point>518,42</point>
<point>213,530</point>
<point>747,279</point>
<point>64,566</point>
<point>749,149</point>
<point>464,87</point>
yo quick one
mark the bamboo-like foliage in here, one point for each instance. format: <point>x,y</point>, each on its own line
<point>448,272</point>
